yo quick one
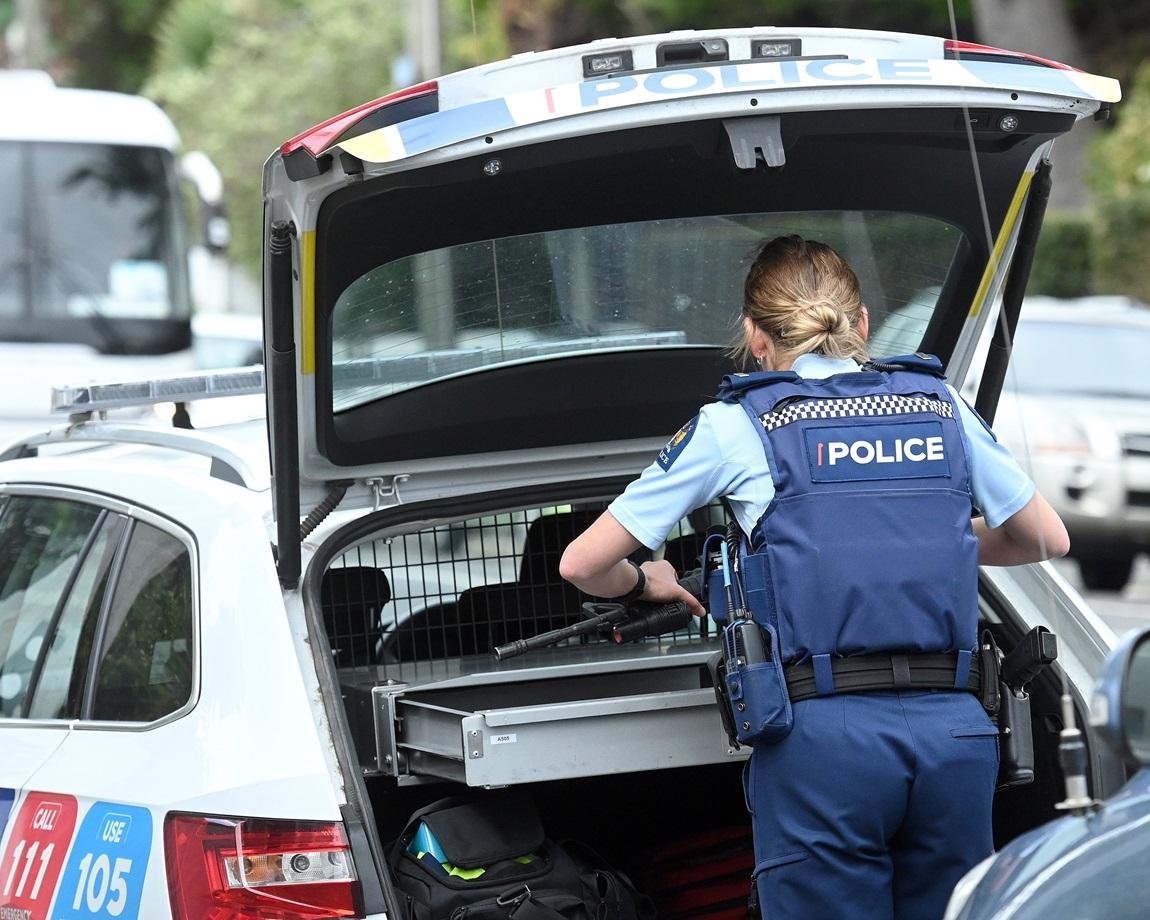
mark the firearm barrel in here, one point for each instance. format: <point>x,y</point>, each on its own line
<point>553,636</point>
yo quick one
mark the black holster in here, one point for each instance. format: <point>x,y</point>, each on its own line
<point>1011,709</point>
<point>717,666</point>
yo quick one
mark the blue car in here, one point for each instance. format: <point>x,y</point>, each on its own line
<point>1094,862</point>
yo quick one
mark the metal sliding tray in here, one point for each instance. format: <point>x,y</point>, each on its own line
<point>554,714</point>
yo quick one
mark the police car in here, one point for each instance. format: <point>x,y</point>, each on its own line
<point>233,662</point>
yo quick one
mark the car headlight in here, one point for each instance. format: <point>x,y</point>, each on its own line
<point>1061,436</point>
<point>965,888</point>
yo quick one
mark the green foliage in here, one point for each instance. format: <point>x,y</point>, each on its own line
<point>104,45</point>
<point>1063,260</point>
<point>239,77</point>
<point>1124,240</point>
<point>472,33</point>
<point>925,16</point>
<point>1120,178</point>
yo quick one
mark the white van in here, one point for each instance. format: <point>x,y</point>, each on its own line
<point>94,241</point>
<point>225,687</point>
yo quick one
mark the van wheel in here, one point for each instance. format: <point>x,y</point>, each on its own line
<point>1109,573</point>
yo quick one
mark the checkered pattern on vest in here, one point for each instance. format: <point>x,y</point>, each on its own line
<point>850,407</point>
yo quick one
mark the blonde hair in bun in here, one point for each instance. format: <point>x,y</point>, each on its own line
<point>804,296</point>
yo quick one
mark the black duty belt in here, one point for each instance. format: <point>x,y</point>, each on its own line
<point>887,671</point>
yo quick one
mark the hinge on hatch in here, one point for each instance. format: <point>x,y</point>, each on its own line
<point>386,487</point>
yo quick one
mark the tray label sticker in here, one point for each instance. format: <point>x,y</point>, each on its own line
<point>506,738</point>
<point>34,855</point>
<point>105,873</point>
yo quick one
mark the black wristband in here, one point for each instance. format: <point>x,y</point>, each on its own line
<point>640,586</point>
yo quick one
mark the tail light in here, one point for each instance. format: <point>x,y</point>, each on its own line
<point>256,869</point>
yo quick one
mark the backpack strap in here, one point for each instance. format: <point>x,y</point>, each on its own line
<point>522,905</point>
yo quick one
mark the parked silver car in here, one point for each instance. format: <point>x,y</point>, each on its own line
<point>1076,403</point>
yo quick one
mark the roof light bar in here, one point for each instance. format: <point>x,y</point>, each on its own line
<point>96,397</point>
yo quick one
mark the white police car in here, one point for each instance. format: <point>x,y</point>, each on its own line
<point>489,299</point>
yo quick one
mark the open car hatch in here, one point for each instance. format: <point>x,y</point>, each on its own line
<point>532,271</point>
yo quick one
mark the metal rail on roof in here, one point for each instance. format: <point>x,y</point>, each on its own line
<point>227,465</point>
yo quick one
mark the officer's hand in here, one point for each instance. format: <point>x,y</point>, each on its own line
<point>663,587</point>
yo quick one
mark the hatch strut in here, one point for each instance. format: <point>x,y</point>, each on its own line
<point>283,425</point>
<point>999,355</point>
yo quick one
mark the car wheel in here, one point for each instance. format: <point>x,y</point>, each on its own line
<point>1106,574</point>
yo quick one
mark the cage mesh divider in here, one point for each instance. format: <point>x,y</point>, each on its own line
<point>462,587</point>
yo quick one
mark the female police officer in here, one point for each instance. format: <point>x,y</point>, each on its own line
<point>855,488</point>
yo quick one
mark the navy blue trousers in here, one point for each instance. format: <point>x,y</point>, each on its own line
<point>873,806</point>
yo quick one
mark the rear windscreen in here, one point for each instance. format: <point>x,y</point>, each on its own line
<point>633,285</point>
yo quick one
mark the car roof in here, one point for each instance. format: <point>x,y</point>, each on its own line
<point>33,108</point>
<point>235,452</point>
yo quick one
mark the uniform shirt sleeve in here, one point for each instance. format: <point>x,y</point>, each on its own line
<point>999,485</point>
<point>687,474</point>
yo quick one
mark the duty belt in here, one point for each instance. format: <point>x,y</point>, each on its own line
<point>886,671</point>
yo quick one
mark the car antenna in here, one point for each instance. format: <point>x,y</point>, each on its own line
<point>1072,759</point>
<point>1072,753</point>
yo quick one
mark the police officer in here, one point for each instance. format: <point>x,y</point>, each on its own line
<point>869,497</point>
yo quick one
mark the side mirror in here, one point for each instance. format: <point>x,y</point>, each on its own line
<point>1120,709</point>
<point>198,169</point>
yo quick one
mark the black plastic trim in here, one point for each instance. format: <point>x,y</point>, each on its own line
<point>998,357</point>
<point>283,420</point>
<point>580,399</point>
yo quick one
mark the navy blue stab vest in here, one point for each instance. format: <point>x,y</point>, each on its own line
<point>867,545</point>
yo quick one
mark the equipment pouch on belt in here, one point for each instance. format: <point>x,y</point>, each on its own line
<point>1004,684</point>
<point>756,688</point>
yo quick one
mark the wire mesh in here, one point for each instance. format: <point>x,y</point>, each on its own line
<point>462,587</point>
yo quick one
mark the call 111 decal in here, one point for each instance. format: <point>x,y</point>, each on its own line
<point>35,854</point>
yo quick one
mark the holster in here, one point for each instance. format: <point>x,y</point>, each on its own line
<point>1011,709</point>
<point>1015,739</point>
<point>717,666</point>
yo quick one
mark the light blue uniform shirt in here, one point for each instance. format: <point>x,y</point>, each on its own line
<point>722,454</point>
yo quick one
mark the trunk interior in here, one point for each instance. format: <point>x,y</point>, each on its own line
<point>620,745</point>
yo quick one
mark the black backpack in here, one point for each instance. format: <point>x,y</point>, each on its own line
<point>524,876</point>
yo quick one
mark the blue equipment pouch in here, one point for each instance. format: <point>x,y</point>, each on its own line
<point>756,688</point>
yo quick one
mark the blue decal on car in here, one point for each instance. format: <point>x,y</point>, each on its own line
<point>7,797</point>
<point>105,872</point>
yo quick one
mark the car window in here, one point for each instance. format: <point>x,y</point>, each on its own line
<point>1066,357</point>
<point>41,541</point>
<point>640,284</point>
<point>146,667</point>
<point>59,691</point>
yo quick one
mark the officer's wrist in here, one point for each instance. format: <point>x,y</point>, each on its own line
<point>640,584</point>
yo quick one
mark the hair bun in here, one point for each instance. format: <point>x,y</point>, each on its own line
<point>818,317</point>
